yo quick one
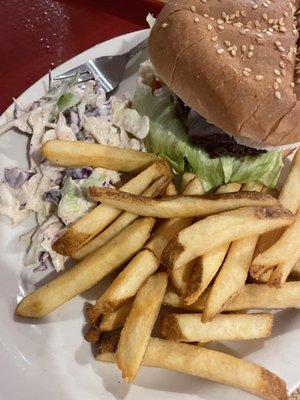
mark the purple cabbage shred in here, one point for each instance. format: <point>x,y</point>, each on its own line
<point>43,259</point>
<point>53,196</point>
<point>16,177</point>
<point>79,173</point>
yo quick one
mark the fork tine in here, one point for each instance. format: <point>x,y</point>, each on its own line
<point>81,70</point>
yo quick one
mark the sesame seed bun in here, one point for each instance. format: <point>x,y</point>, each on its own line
<point>235,65</point>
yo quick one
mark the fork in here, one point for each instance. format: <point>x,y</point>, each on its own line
<point>108,70</point>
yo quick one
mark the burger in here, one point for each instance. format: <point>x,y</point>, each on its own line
<point>224,102</point>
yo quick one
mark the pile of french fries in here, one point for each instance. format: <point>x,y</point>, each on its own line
<point>210,257</point>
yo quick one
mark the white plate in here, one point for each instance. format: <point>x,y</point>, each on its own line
<point>49,359</point>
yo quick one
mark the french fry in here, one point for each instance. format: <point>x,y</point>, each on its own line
<point>207,364</point>
<point>231,187</point>
<point>170,191</point>
<point>289,197</point>
<point>128,282</point>
<point>155,190</point>
<point>88,272</point>
<point>190,328</point>
<point>232,276</point>
<point>205,267</point>
<point>295,274</point>
<point>220,229</point>
<point>281,272</point>
<point>87,227</point>
<point>186,178</point>
<point>194,187</point>
<point>203,271</point>
<point>180,278</point>
<point>258,296</point>
<point>287,246</point>
<point>138,327</point>
<point>115,320</point>
<point>79,154</point>
<point>180,206</point>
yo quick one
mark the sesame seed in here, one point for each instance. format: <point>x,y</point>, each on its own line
<point>255,6</point>
<point>238,24</point>
<point>275,86</point>
<point>295,32</point>
<point>197,19</point>
<point>270,30</point>
<point>256,23</point>
<point>247,69</point>
<point>221,27</point>
<point>243,13</point>
<point>203,1</point>
<point>220,51</point>
<point>209,27</point>
<point>164,25</point>
<point>251,47</point>
<point>220,21</point>
<point>271,21</point>
<point>246,73</point>
<point>242,32</point>
<point>283,72</point>
<point>244,48</point>
<point>214,38</point>
<point>259,77</point>
<point>281,49</point>
<point>211,18</point>
<point>268,33</point>
<point>250,54</point>
<point>278,80</point>
<point>276,72</point>
<point>292,84</point>
<point>234,47</point>
<point>233,53</point>
<point>265,4</point>
<point>193,8</point>
<point>282,29</point>
<point>282,64</point>
<point>259,40</point>
<point>227,43</point>
<point>259,35</point>
<point>285,13</point>
<point>265,17</point>
<point>224,15</point>
<point>205,15</point>
<point>277,95</point>
<point>237,13</point>
<point>278,43</point>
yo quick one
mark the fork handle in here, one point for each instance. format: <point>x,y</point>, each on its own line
<point>141,46</point>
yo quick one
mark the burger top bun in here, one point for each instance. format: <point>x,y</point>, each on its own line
<point>235,63</point>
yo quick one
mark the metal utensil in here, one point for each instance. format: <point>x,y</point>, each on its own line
<point>108,70</point>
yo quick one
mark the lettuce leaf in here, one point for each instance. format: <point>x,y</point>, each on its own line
<point>168,139</point>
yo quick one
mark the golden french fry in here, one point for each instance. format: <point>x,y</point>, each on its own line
<point>287,246</point>
<point>232,276</point>
<point>164,234</point>
<point>170,191</point>
<point>190,328</point>
<point>194,187</point>
<point>155,190</point>
<point>220,229</point>
<point>206,266</point>
<point>282,271</point>
<point>253,187</point>
<point>128,282</point>
<point>115,320</point>
<point>180,278</point>
<point>101,216</point>
<point>231,187</point>
<point>258,296</point>
<point>180,206</point>
<point>295,274</point>
<point>289,197</point>
<point>79,154</point>
<point>138,327</point>
<point>203,271</point>
<point>88,272</point>
<point>207,364</point>
<point>186,178</point>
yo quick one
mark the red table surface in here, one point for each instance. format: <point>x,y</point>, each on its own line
<point>38,35</point>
